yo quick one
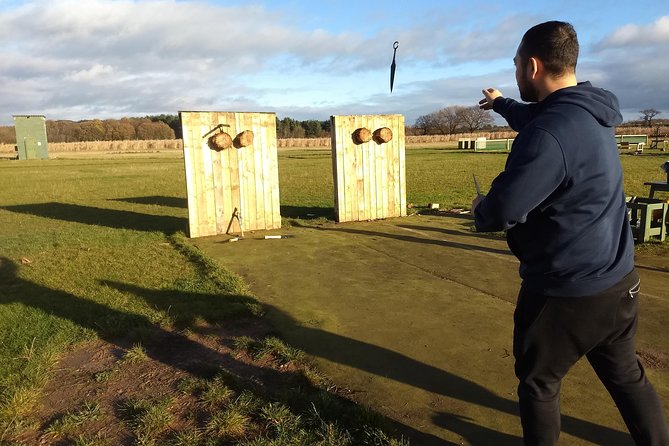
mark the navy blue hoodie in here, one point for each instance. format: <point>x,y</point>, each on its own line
<point>560,197</point>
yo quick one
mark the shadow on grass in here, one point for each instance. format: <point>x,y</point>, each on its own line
<point>414,239</point>
<point>160,200</point>
<point>652,268</point>
<point>111,218</point>
<point>474,433</point>
<point>395,366</point>
<point>171,348</point>
<point>454,232</point>
<point>117,326</point>
<point>307,212</point>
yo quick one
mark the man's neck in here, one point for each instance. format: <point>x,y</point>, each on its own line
<point>552,84</point>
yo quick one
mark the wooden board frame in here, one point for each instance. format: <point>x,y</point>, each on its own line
<point>369,178</point>
<point>218,181</point>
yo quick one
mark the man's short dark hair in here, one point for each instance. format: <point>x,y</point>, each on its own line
<point>554,43</point>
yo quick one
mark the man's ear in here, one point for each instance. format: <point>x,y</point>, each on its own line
<point>533,65</point>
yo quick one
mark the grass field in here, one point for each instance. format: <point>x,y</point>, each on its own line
<point>93,249</point>
<point>433,176</point>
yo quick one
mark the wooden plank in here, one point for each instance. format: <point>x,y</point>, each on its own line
<point>359,149</point>
<point>208,193</point>
<point>198,170</point>
<point>340,130</point>
<point>188,135</point>
<point>393,177</point>
<point>218,178</point>
<point>248,166</point>
<point>273,202</point>
<point>385,184</point>
<point>351,176</point>
<point>402,156</point>
<point>261,153</point>
<point>344,205</point>
<point>334,155</point>
<point>365,178</point>
<point>270,172</point>
<point>227,199</point>
<point>341,170</point>
<point>258,172</point>
<point>372,187</point>
<point>378,180</point>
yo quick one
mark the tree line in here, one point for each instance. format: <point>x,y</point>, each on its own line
<point>454,119</point>
<point>445,121</point>
<point>149,127</point>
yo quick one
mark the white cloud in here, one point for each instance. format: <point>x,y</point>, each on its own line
<point>94,74</point>
<point>632,62</point>
<point>638,35</point>
<point>110,58</point>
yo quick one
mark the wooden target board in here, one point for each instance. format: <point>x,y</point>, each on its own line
<point>369,174</point>
<point>243,176</point>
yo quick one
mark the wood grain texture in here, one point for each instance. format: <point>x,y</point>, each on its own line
<point>369,178</point>
<point>245,178</point>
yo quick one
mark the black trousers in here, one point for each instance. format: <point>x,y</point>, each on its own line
<point>551,334</point>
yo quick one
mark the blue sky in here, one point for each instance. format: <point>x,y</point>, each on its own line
<point>85,59</point>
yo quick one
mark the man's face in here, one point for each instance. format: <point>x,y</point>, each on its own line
<point>528,92</point>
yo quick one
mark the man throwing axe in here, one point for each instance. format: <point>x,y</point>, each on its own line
<point>561,201</point>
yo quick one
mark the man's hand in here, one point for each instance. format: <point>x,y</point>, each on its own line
<point>490,94</point>
<point>475,202</point>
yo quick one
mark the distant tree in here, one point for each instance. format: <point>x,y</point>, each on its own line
<point>325,126</point>
<point>312,129</point>
<point>62,131</point>
<point>7,135</point>
<point>119,130</point>
<point>171,120</point>
<point>473,118</point>
<point>647,116</point>
<point>448,119</point>
<point>425,123</point>
<point>90,130</point>
<point>289,128</point>
<point>154,130</point>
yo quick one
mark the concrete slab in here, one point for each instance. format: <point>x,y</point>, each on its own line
<point>415,316</point>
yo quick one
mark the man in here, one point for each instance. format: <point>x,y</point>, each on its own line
<point>560,199</point>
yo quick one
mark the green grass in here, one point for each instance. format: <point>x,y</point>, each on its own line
<point>148,419</point>
<point>68,423</point>
<point>433,176</point>
<point>95,249</point>
<point>135,355</point>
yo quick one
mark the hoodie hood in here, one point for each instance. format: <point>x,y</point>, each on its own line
<point>601,104</point>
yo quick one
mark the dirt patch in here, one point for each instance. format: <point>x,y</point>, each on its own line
<point>654,359</point>
<point>102,372</point>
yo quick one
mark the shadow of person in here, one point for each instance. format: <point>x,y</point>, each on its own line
<point>112,325</point>
<point>414,239</point>
<point>168,347</point>
<point>385,363</point>
<point>188,304</point>
<point>465,233</point>
<point>474,433</point>
<point>392,365</point>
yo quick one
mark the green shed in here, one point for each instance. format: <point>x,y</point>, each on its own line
<point>31,140</point>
